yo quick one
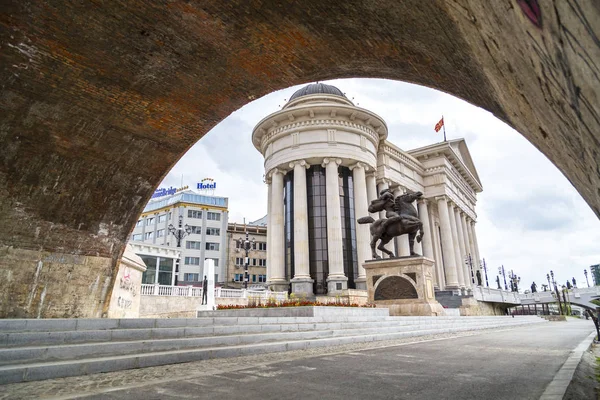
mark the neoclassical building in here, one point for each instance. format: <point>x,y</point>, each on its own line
<point>325,160</point>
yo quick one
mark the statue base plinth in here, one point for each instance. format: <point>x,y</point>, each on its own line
<point>336,284</point>
<point>278,285</point>
<point>404,285</point>
<point>302,286</point>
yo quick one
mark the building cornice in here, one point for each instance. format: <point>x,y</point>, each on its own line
<point>400,156</point>
<point>319,114</point>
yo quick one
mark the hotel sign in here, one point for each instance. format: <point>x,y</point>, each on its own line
<point>207,184</point>
<point>163,192</point>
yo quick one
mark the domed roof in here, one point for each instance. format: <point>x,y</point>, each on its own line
<point>316,88</point>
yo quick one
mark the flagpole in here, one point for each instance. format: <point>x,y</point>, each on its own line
<point>444,125</point>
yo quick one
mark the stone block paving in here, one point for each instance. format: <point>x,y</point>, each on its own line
<point>95,384</point>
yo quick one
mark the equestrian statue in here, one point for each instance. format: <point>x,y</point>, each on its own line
<point>401,218</point>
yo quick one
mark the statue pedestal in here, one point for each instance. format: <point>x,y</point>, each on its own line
<point>404,285</point>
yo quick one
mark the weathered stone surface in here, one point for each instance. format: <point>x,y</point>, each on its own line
<point>99,100</point>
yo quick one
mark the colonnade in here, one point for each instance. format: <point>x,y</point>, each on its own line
<point>458,238</point>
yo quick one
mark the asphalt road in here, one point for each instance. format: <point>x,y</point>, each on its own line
<point>517,363</point>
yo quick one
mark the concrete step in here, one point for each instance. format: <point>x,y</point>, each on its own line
<point>282,341</point>
<point>218,326</point>
<point>234,336</point>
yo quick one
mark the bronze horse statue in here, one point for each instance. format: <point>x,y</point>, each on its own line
<point>401,218</point>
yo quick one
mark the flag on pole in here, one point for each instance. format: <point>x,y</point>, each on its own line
<point>439,125</point>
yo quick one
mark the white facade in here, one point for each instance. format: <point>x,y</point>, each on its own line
<point>325,160</point>
<point>207,218</point>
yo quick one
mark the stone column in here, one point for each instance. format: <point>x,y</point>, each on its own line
<point>301,282</point>
<point>476,260</point>
<point>468,252</point>
<point>401,241</point>
<point>372,195</point>
<point>336,280</point>
<point>461,245</point>
<point>269,227</point>
<point>363,235</point>
<point>447,245</point>
<point>382,186</point>
<point>277,281</point>
<point>456,248</point>
<point>426,242</point>
<point>439,264</point>
<point>475,245</point>
<point>418,245</point>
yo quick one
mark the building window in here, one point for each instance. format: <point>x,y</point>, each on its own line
<point>317,227</point>
<point>212,246</point>
<point>350,260</point>
<point>191,277</point>
<point>261,246</point>
<point>160,233</point>
<point>192,260</point>
<point>253,278</point>
<point>262,262</point>
<point>162,218</point>
<point>193,245</point>
<point>159,270</point>
<point>148,235</point>
<point>195,229</point>
<point>139,223</point>
<point>150,221</point>
<point>213,216</point>
<point>213,231</point>
<point>262,278</point>
<point>216,260</point>
<point>239,261</point>
<point>194,214</point>
<point>137,236</point>
<point>238,277</point>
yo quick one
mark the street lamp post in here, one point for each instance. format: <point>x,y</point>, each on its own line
<point>485,272</point>
<point>469,262</point>
<point>564,293</point>
<point>557,293</point>
<point>245,245</point>
<point>586,278</point>
<point>502,272</point>
<point>514,281</point>
<point>179,234</point>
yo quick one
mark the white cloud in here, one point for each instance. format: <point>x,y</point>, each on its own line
<point>531,219</point>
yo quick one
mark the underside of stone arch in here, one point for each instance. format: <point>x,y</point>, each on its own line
<point>99,100</point>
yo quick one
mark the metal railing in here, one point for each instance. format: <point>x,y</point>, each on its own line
<point>190,291</point>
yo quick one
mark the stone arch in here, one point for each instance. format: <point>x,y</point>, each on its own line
<point>395,287</point>
<point>99,102</point>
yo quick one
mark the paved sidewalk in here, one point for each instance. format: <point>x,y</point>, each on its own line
<point>516,363</point>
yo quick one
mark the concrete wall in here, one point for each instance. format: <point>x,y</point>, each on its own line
<point>41,284</point>
<point>178,307</point>
<point>125,298</point>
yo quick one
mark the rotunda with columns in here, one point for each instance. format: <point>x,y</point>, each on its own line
<point>325,160</point>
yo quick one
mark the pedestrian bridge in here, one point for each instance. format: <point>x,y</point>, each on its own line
<point>578,296</point>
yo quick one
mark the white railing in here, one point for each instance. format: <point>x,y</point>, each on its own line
<point>190,291</point>
<point>495,295</point>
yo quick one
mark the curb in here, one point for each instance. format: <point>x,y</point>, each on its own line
<point>558,387</point>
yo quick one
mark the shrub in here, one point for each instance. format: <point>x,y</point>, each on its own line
<point>291,302</point>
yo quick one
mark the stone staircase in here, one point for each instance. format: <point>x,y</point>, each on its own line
<point>33,349</point>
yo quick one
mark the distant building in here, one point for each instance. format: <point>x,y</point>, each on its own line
<point>595,270</point>
<point>257,269</point>
<point>325,160</point>
<point>206,217</point>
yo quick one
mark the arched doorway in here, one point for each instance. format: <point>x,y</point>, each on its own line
<point>100,102</point>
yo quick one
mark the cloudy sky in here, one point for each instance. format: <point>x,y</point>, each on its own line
<point>530,218</point>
